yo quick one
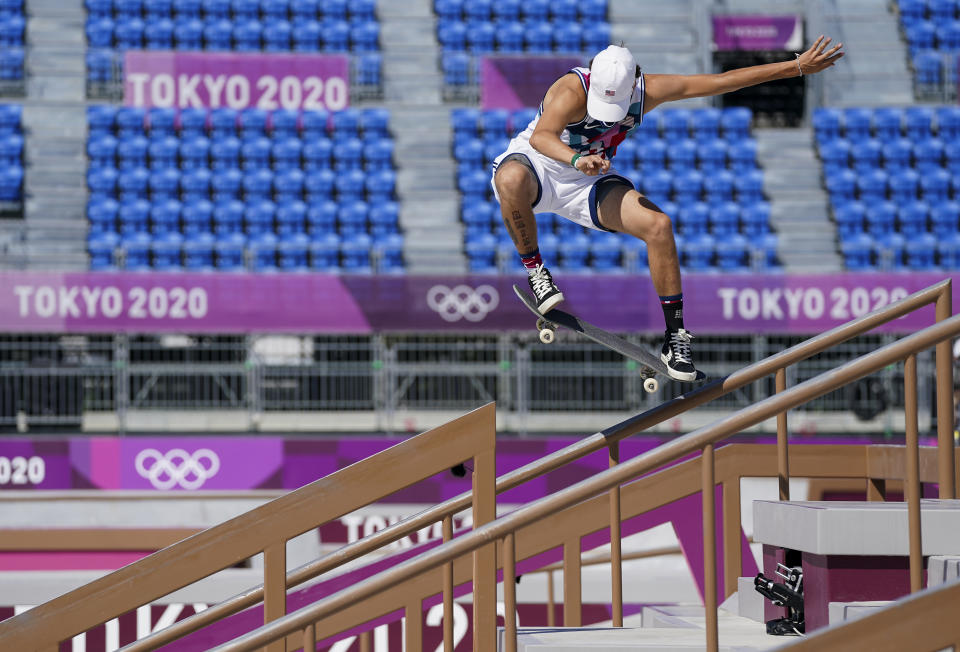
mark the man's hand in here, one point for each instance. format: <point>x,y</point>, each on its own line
<point>818,58</point>
<point>593,164</point>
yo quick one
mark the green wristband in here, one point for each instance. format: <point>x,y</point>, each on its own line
<point>573,161</point>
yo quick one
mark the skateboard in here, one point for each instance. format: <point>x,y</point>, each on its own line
<point>651,365</point>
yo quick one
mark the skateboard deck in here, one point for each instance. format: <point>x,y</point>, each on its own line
<point>652,365</point>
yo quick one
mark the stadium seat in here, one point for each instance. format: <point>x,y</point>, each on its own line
<point>188,33</point>
<point>945,218</point>
<point>535,10</point>
<point>904,186</point>
<point>538,36</point>
<point>866,154</point>
<point>101,248</point>
<point>263,252</point>
<point>919,121</point>
<point>133,217</point>
<point>857,252</point>
<point>324,252</point>
<point>897,154</point>
<point>195,184</point>
<point>197,217</point>
<point>735,123</point>
<point>857,124</point>
<point>292,252</point>
<point>928,154</point>
<point>725,220</point>
<point>508,37</point>
<point>255,153</point>
<point>136,251</point>
<point>682,155</point>
<point>384,218</point>
<point>228,252</point>
<point>676,124</point>
<point>920,252</point>
<point>102,214</point>
<point>132,184</point>
<point>228,217</point>
<point>226,184</point>
<point>158,34</point>
<point>195,153</point>
<point>198,252</point>
<point>318,184</point>
<point>887,123</point>
<point>163,153</point>
<point>193,122</point>
<point>694,219</point>
<point>247,35</point>
<point>225,153</point>
<point>165,216</point>
<point>605,253</point>
<point>705,124</point>
<point>355,254</point>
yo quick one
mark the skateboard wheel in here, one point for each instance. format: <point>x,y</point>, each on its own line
<point>650,385</point>
<point>547,335</point>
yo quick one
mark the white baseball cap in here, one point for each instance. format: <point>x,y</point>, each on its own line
<point>612,75</point>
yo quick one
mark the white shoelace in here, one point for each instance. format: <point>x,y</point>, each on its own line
<point>680,345</point>
<point>540,280</point>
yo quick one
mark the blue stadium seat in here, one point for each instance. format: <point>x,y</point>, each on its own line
<point>133,217</point>
<point>368,66</point>
<point>866,154</point>
<point>307,35</point>
<point>452,35</point>
<point>881,219</point>
<point>605,252</point>
<point>897,154</point>
<point>568,37</point>
<point>257,183</point>
<point>872,186</point>
<point>247,9</point>
<point>136,251</point>
<point>324,252</point>
<point>167,250</point>
<point>682,155</point>
<point>228,217</point>
<point>735,123</point>
<point>948,252</point>
<point>158,34</point>
<point>292,252</point>
<point>318,184</point>
<point>195,184</point>
<point>350,185</point>
<point>258,216</point>
<point>380,184</point>
<point>509,36</point>
<point>162,152</point>
<point>165,216</point>
<point>598,37</point>
<point>321,217</point>
<point>928,154</point>
<point>850,218</point>
<point>705,124</point>
<point>286,153</point>
<point>676,124</point>
<point>835,155</point>
<point>657,185</point>
<point>365,36</point>
<point>225,153</point>
<point>216,8</point>
<point>223,123</point>
<point>194,153</point>
<point>919,123</point>
<point>743,155</point>
<point>887,123</point>
<point>101,247</point>
<point>697,252</point>
<point>130,121</point>
<point>756,219</point>
<point>355,254</point>
<point>912,218</point>
<point>255,153</point>
<point>593,10</point>
<point>945,218</point>
<point>275,9</point>
<point>652,156</point>
<point>263,252</point>
<point>384,218</point>
<point>228,252</point>
<point>842,186</point>
<point>247,35</point>
<point>921,252</point>
<point>904,186</point>
<point>693,219</point>
<point>857,251</point>
<point>465,122</point>
<point>336,35</point>
<point>276,35</point>
<point>535,10</point>
<point>317,154</point>
<point>102,151</point>
<point>285,124</point>
<point>733,254</point>
<point>482,253</point>
<point>948,123</point>
<point>480,37</point>
<point>198,252</point>
<point>538,36</point>
<point>348,155</point>
<point>314,124</point>
<point>193,122</point>
<point>100,32</point>
<point>161,122</point>
<point>388,250</point>
<point>749,187</point>
<point>288,184</point>
<point>827,124</point>
<point>102,214</point>
<point>935,185</point>
<point>187,8</point>
<point>132,184</point>
<point>226,184</point>
<point>164,183</point>
<point>687,186</point>
<point>95,9</point>
<point>102,182</point>
<point>197,217</point>
<point>921,36</point>
<point>99,65</point>
<point>352,217</point>
<point>724,220</point>
<point>712,155</point>
<point>378,155</point>
<point>574,252</point>
<point>128,34</point>
<point>857,124</point>
<point>188,33</point>
<point>506,10</point>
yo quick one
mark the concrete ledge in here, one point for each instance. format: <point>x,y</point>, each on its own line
<point>942,569</point>
<point>843,611</point>
<point>856,528</point>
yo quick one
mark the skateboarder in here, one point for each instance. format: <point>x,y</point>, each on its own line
<point>561,164</point>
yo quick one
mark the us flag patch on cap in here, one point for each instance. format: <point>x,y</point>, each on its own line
<point>609,93</point>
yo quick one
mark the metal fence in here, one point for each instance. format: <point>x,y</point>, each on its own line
<point>50,382</point>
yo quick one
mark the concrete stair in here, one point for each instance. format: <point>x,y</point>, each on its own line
<point>799,210</point>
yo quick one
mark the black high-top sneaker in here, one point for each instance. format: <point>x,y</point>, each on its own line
<point>547,294</point>
<point>675,353</point>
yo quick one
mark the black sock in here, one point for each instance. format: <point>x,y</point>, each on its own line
<point>673,311</point>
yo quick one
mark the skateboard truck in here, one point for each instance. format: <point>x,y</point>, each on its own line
<point>789,595</point>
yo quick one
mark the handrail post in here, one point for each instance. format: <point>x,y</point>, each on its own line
<point>911,487</point>
<point>944,364</point>
<point>510,593</point>
<point>572,597</point>
<point>616,550</point>
<point>732,546</point>
<point>783,458</point>
<point>448,589</point>
<point>709,548</point>
<point>275,587</point>
<point>484,558</point>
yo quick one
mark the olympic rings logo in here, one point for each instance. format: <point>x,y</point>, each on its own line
<point>463,302</point>
<point>177,467</point>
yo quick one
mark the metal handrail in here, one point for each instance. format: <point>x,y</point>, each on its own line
<point>702,439</point>
<point>938,293</point>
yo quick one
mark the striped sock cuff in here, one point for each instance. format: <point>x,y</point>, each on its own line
<point>673,298</point>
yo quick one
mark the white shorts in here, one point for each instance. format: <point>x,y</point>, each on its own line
<point>561,189</point>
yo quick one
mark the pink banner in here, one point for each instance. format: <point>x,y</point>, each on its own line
<point>236,80</point>
<point>517,82</point>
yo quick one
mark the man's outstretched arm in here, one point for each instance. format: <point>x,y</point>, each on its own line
<point>668,88</point>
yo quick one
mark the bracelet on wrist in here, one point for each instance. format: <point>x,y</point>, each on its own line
<point>799,68</point>
<point>573,161</point>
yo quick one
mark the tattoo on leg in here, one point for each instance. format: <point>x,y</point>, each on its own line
<point>521,231</point>
<point>513,235</point>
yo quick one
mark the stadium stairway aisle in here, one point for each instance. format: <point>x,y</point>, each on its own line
<point>663,36</point>
<point>54,122</point>
<point>420,124</point>
<point>798,203</point>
